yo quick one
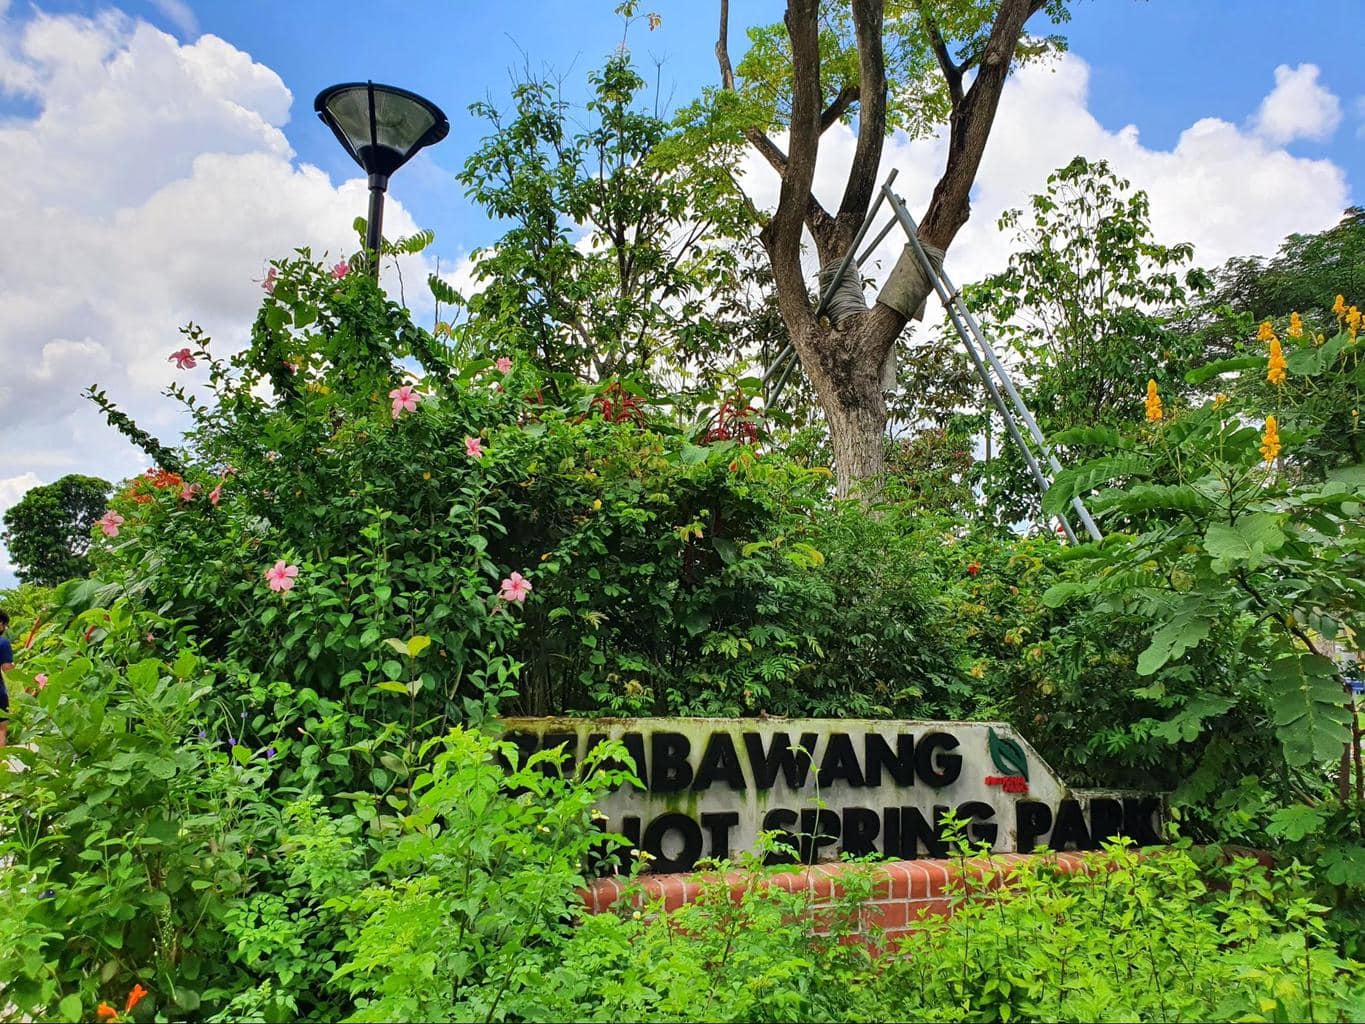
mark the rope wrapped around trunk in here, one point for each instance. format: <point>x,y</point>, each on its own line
<point>848,297</point>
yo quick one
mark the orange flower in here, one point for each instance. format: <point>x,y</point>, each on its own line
<point>1265,332</point>
<point>1353,320</point>
<point>1295,325</point>
<point>1276,366</point>
<point>134,997</point>
<point>1219,399</point>
<point>1270,443</point>
<point>1339,307</point>
<point>1153,403</point>
<point>105,1012</point>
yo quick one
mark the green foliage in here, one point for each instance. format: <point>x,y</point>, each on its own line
<point>47,531</point>
<point>1151,938</point>
<point>1090,304</point>
<point>1305,274</point>
<point>664,284</point>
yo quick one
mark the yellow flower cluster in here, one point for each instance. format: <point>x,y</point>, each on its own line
<point>1270,443</point>
<point>1349,314</point>
<point>1153,403</point>
<point>1276,366</point>
<point>1295,325</point>
<point>1266,332</point>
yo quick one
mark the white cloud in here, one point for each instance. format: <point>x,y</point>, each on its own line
<point>11,490</point>
<point>1227,190</point>
<point>158,184</point>
<point>1299,107</point>
<point>178,13</point>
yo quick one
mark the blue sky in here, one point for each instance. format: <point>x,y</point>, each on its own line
<point>169,150</point>
<point>1159,64</point>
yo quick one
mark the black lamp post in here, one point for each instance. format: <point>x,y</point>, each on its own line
<point>382,128</point>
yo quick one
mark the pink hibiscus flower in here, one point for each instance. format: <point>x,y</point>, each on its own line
<point>216,495</point>
<point>405,399</point>
<point>110,522</point>
<point>188,492</point>
<point>281,576</point>
<point>341,270</point>
<point>473,447</point>
<point>515,588</point>
<point>269,283</point>
<point>184,359</point>
<point>503,364</point>
<point>40,679</point>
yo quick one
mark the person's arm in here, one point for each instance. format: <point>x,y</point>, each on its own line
<point>6,655</point>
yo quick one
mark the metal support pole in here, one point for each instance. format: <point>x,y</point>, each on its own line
<point>374,225</point>
<point>953,301</point>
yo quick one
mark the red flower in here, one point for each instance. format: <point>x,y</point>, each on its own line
<point>134,997</point>
<point>105,1012</point>
<point>973,569</point>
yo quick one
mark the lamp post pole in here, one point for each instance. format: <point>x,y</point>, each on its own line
<point>374,224</point>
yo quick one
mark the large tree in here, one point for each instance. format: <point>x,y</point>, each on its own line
<point>48,530</point>
<point>884,65</point>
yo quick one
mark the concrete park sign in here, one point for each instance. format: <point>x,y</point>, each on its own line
<point>711,785</point>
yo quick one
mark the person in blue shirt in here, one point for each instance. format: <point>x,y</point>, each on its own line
<point>6,665</point>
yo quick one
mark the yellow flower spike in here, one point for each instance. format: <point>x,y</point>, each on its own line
<point>1339,307</point>
<point>1153,403</point>
<point>1353,320</point>
<point>1276,366</point>
<point>1266,332</point>
<point>1270,441</point>
<point>1219,400</point>
<point>1295,325</point>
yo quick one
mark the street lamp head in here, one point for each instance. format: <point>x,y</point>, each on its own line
<point>380,126</point>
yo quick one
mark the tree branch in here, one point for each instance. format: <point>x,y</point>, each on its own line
<point>952,74</point>
<point>848,96</point>
<point>971,125</point>
<point>782,236</point>
<point>867,157</point>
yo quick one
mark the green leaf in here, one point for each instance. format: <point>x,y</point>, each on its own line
<point>1103,437</point>
<point>725,547</point>
<point>69,1008</point>
<point>398,645</point>
<point>1171,641</point>
<point>1070,483</point>
<point>1307,706</point>
<point>1060,593</point>
<point>417,644</point>
<point>1210,370</point>
<point>1244,545</point>
<point>1296,821</point>
<point>1352,476</point>
<point>389,686</point>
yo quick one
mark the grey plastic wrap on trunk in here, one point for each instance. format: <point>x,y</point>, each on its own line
<point>907,289</point>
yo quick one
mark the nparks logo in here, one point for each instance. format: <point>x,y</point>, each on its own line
<point>1010,761</point>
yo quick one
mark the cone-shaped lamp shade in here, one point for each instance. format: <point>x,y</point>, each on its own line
<point>380,126</point>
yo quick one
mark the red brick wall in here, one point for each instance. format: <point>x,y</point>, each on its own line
<point>903,891</point>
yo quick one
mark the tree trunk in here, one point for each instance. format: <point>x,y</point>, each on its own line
<point>844,365</point>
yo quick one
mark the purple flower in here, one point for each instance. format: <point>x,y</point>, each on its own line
<point>47,894</point>
<point>202,734</point>
<point>231,742</point>
<point>270,752</point>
